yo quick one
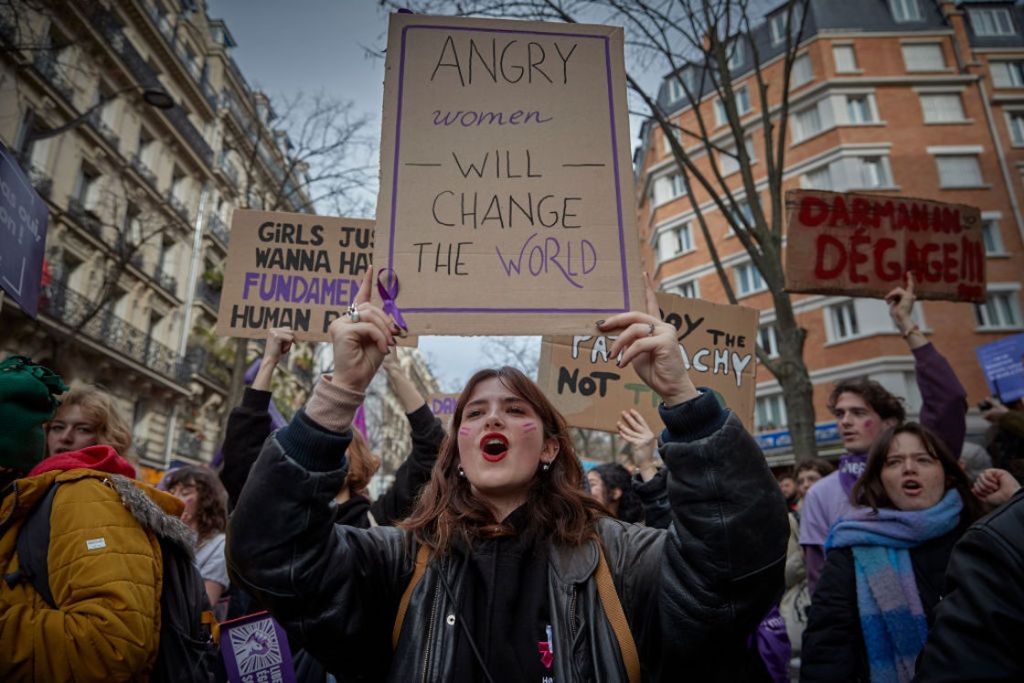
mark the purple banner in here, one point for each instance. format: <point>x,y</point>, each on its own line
<point>255,650</point>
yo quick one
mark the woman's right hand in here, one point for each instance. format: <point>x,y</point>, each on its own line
<point>633,429</point>
<point>360,347</point>
<point>995,486</point>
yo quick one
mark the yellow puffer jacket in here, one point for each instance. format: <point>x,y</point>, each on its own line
<point>105,570</point>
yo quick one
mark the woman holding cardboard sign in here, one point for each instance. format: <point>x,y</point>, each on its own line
<point>506,570</point>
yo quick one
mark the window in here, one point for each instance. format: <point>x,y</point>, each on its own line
<point>905,10</point>
<point>1001,310</point>
<point>845,59</point>
<point>668,187</point>
<point>674,242</point>
<point>778,23</point>
<point>684,239</point>
<point>959,170</point>
<point>768,341</point>
<point>1016,125</point>
<point>1008,74</point>
<point>818,179</point>
<point>806,122</point>
<point>842,321</point>
<point>730,162</point>
<point>86,190</point>
<point>689,290</point>
<point>924,57</point>
<point>676,91</point>
<point>802,71</point>
<point>873,172</point>
<point>132,228</point>
<point>991,22</point>
<point>858,109</point>
<point>942,108</point>
<point>741,213</point>
<point>749,280</point>
<point>991,237</point>
<point>770,413</point>
<point>736,56</point>
<point>742,98</point>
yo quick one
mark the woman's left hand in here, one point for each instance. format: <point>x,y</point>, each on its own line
<point>650,345</point>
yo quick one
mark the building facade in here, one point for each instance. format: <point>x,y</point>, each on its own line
<point>917,98</point>
<point>136,126</point>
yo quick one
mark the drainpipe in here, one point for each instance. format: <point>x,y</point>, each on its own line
<point>186,321</point>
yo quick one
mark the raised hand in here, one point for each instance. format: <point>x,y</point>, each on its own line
<point>995,486</point>
<point>651,346</point>
<point>634,429</point>
<point>360,344</point>
<point>279,343</point>
<point>901,304</point>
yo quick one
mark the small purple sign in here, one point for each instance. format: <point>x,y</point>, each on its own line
<point>255,650</point>
<point>23,216</point>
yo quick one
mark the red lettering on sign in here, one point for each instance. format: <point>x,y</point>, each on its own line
<point>813,211</point>
<point>823,271</point>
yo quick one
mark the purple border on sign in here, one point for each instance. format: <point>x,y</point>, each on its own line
<point>615,165</point>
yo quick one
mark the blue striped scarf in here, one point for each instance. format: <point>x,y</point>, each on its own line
<point>891,615</point>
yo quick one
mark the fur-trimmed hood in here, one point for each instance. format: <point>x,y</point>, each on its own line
<point>140,502</point>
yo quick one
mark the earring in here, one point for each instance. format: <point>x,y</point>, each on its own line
<point>462,472</point>
<point>545,467</point>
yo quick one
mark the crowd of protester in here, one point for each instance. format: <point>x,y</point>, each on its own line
<point>493,556</point>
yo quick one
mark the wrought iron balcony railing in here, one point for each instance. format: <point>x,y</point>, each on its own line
<point>218,229</point>
<point>143,170</point>
<point>45,63</point>
<point>189,444</point>
<point>207,365</point>
<point>208,294</point>
<point>179,208</point>
<point>85,218</point>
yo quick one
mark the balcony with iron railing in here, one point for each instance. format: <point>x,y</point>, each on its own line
<point>168,282</point>
<point>112,333</point>
<point>209,366</point>
<point>45,63</point>
<point>144,171</point>
<point>96,122</point>
<point>208,295</point>
<point>85,218</point>
<point>189,444</point>
<point>229,170</point>
<point>218,229</point>
<point>40,180</point>
<point>179,208</point>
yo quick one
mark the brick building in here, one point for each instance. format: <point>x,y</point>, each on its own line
<point>918,98</point>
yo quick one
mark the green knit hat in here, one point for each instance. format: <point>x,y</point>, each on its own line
<point>28,398</point>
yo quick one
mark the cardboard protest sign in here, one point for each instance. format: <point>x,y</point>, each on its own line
<point>443,406</point>
<point>505,203</point>
<point>291,270</point>
<point>1002,362</point>
<point>862,244</point>
<point>718,343</point>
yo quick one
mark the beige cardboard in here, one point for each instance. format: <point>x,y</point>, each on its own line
<point>551,244</point>
<point>311,254</point>
<point>861,245</point>
<point>443,407</point>
<point>579,376</point>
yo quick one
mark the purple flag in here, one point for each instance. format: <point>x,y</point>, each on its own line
<point>255,648</point>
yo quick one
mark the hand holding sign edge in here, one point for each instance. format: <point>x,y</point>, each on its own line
<point>360,347</point>
<point>650,345</point>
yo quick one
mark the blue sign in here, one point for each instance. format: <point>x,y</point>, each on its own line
<point>1003,364</point>
<point>23,217</point>
<point>827,433</point>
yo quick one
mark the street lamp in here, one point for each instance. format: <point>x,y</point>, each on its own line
<point>154,97</point>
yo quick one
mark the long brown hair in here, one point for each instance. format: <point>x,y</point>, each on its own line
<point>870,492</point>
<point>362,464</point>
<point>211,498</point>
<point>558,507</point>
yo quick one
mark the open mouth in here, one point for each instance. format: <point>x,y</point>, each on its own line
<point>911,488</point>
<point>494,446</point>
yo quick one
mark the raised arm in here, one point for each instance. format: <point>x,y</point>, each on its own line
<point>943,398</point>
<point>720,567</point>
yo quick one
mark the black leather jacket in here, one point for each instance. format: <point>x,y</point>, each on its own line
<point>686,590</point>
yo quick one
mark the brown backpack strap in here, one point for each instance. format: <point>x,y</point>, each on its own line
<point>613,610</point>
<point>422,555</point>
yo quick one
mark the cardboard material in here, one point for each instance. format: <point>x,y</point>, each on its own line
<point>862,244</point>
<point>291,270</point>
<point>1002,361</point>
<point>443,406</point>
<point>718,343</point>
<point>506,196</point>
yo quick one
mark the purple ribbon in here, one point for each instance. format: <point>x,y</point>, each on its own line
<point>388,290</point>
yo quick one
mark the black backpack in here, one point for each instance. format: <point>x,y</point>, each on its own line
<point>186,652</point>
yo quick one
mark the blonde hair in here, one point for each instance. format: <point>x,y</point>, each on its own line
<point>98,406</point>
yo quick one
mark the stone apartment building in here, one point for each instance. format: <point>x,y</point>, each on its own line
<point>136,126</point>
<point>918,98</point>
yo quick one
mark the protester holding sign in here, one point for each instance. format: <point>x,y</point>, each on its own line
<point>864,409</point>
<point>509,570</point>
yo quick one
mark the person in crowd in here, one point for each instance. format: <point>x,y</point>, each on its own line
<point>649,477</point>
<point>974,460</point>
<point>787,483</point>
<point>102,619</point>
<point>864,409</point>
<point>797,598</point>
<point>1004,440</point>
<point>611,484</point>
<point>513,551</point>
<point>809,472</point>
<point>206,513</point>
<point>870,614</point>
<point>977,627</point>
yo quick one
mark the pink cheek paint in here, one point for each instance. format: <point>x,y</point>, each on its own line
<point>464,431</point>
<point>868,424</point>
<point>529,428</point>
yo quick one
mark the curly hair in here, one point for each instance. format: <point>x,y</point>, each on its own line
<point>615,476</point>
<point>211,513</point>
<point>98,406</point>
<point>559,508</point>
<point>874,394</point>
<point>869,491</point>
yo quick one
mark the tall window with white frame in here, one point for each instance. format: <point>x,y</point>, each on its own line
<point>942,108</point>
<point>904,11</point>
<point>767,338</point>
<point>842,319</point>
<point>770,413</point>
<point>684,238</point>
<point>1015,121</point>
<point>688,289</point>
<point>924,57</point>
<point>1000,311</point>
<point>872,172</point>
<point>858,109</point>
<point>749,280</point>
<point>802,71</point>
<point>845,58</point>
<point>778,23</point>
<point>958,170</point>
<point>737,53</point>
<point>991,238</point>
<point>991,21</point>
<point>1008,74</point>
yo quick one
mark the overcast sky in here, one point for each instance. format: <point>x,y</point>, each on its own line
<point>313,45</point>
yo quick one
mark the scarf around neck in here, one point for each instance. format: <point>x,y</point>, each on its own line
<point>891,615</point>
